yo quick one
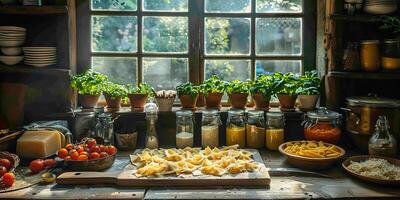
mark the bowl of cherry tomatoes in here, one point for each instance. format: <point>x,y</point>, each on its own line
<point>8,163</point>
<point>87,156</point>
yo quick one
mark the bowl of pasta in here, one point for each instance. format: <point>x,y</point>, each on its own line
<point>311,155</point>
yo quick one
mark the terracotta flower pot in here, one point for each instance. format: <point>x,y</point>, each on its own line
<point>137,101</point>
<point>113,102</point>
<point>12,102</point>
<point>307,102</point>
<point>201,102</point>
<point>261,102</point>
<point>165,104</point>
<point>188,101</point>
<point>238,100</point>
<point>213,100</point>
<point>287,102</point>
<point>88,101</point>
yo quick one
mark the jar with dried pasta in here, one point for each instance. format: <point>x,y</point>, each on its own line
<point>255,129</point>
<point>323,125</point>
<point>210,128</point>
<point>235,128</point>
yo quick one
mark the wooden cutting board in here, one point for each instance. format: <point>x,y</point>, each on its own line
<point>126,177</point>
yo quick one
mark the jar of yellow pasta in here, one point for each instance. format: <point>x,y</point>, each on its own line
<point>235,128</point>
<point>274,131</point>
<point>255,129</point>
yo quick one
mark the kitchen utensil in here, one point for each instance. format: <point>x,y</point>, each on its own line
<point>126,177</point>
<point>90,165</point>
<point>293,172</point>
<point>346,163</point>
<point>310,163</point>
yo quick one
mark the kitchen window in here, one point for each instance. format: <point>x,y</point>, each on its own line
<point>168,42</point>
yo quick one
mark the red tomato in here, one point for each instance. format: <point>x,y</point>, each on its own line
<point>36,166</point>
<point>62,153</point>
<point>94,155</point>
<point>103,154</point>
<point>3,170</point>
<point>111,150</point>
<point>67,158</point>
<point>91,143</point>
<point>103,148</point>
<point>50,163</point>
<point>8,179</point>
<point>74,156</point>
<point>6,163</point>
<point>69,147</point>
<point>72,152</point>
<point>95,149</point>
<point>84,153</point>
<point>80,149</point>
<point>83,157</point>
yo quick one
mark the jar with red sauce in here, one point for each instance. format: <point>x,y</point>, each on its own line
<point>323,125</point>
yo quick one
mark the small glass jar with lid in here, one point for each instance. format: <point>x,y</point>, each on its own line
<point>210,128</point>
<point>391,54</point>
<point>236,128</point>
<point>370,55</point>
<point>184,129</point>
<point>255,129</point>
<point>323,125</point>
<point>274,130</point>
<point>351,57</point>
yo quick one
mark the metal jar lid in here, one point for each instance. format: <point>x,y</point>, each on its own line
<point>391,41</point>
<point>323,114</point>
<point>372,101</point>
<point>369,42</point>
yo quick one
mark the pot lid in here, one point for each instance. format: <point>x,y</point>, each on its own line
<point>373,101</point>
<point>323,114</point>
<point>369,42</point>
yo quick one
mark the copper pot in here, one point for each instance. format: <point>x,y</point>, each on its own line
<point>362,113</point>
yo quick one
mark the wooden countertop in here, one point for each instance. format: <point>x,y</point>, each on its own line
<point>282,187</point>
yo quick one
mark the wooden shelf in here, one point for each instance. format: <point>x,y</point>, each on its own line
<point>23,69</point>
<point>395,75</point>
<point>352,18</point>
<point>33,10</point>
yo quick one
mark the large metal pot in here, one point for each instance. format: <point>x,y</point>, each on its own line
<point>362,113</point>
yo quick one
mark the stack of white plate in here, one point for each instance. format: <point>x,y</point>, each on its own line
<point>40,56</point>
<point>380,7</point>
<point>12,36</point>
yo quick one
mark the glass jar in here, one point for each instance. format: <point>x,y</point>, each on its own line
<point>105,129</point>
<point>236,128</point>
<point>274,130</point>
<point>322,125</point>
<point>370,56</point>
<point>151,110</point>
<point>391,54</point>
<point>382,143</point>
<point>351,57</point>
<point>255,129</point>
<point>210,128</point>
<point>184,129</point>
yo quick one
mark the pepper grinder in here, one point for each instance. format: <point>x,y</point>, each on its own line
<point>151,110</point>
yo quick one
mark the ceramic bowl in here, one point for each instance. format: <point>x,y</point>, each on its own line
<point>380,9</point>
<point>91,165</point>
<point>11,60</point>
<point>11,43</point>
<point>11,51</point>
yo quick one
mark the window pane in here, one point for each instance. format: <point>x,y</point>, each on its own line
<point>114,33</point>
<point>227,35</point>
<point>118,69</point>
<point>165,73</point>
<point>279,36</point>
<point>166,5</point>
<point>280,6</point>
<point>124,5</point>
<point>228,70</point>
<point>228,6</point>
<point>271,66</point>
<point>165,34</point>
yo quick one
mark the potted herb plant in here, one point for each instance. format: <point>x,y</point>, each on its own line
<point>89,86</point>
<point>138,95</point>
<point>213,89</point>
<point>165,99</point>
<point>238,91</point>
<point>188,94</point>
<point>287,94</point>
<point>309,90</point>
<point>262,90</point>
<point>113,94</point>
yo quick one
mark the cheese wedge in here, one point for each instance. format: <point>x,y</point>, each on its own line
<point>38,144</point>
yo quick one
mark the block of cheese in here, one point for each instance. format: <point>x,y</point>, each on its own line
<point>38,144</point>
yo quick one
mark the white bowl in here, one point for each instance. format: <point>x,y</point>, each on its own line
<point>11,60</point>
<point>12,28</point>
<point>11,43</point>
<point>380,10</point>
<point>11,51</point>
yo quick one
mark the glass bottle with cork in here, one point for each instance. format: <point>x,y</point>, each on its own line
<point>236,128</point>
<point>274,131</point>
<point>151,110</point>
<point>210,128</point>
<point>255,129</point>
<point>184,129</point>
<point>382,143</point>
